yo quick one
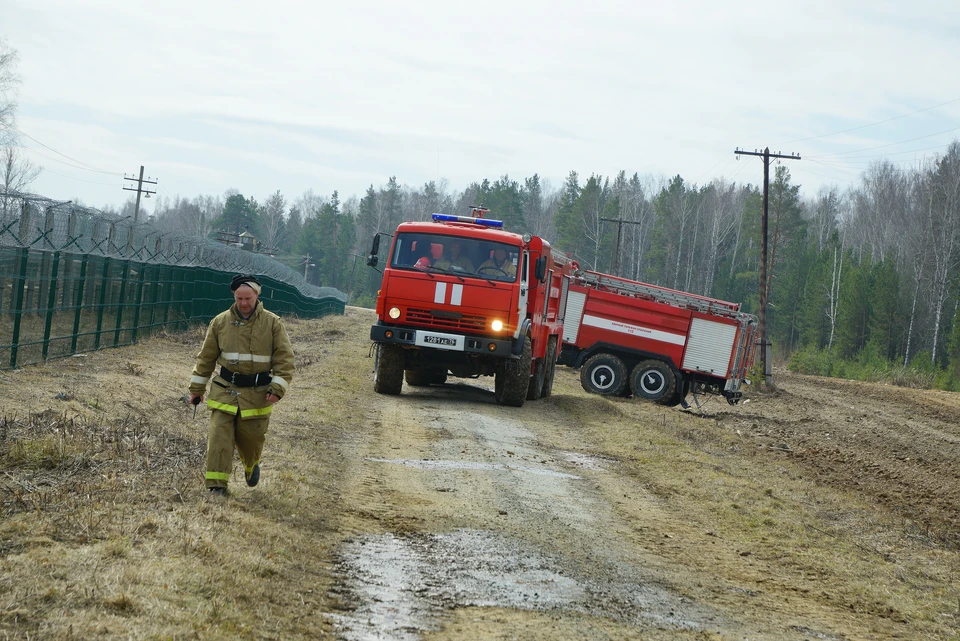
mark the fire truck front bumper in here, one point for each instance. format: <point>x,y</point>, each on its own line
<point>429,339</point>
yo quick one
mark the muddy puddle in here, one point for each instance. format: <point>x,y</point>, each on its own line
<point>433,464</point>
<point>400,586</point>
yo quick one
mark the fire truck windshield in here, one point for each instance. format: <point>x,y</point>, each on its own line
<point>464,257</point>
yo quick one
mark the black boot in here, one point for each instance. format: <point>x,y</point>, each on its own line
<point>254,477</point>
<point>218,491</point>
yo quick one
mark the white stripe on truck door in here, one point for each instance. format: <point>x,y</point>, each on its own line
<point>634,330</point>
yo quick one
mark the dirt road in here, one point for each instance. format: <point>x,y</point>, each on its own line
<point>826,510</point>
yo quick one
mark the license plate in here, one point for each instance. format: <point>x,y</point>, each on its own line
<point>440,341</point>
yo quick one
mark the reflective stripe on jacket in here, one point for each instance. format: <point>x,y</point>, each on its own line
<point>245,346</point>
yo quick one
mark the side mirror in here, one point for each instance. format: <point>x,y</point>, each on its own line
<point>372,258</point>
<point>540,269</point>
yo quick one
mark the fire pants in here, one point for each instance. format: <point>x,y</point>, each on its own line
<point>228,431</point>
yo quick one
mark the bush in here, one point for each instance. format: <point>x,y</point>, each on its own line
<point>871,365</point>
<point>810,360</point>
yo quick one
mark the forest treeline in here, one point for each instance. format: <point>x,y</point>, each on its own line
<point>862,282</point>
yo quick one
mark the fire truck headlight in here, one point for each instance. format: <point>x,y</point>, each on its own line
<point>394,313</point>
<point>496,325</point>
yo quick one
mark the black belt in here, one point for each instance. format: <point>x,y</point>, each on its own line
<point>245,380</point>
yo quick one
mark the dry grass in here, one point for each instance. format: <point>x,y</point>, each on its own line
<point>107,532</point>
<point>774,525</point>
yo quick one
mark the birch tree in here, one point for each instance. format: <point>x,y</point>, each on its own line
<point>944,244</point>
<point>16,171</point>
<point>723,208</point>
<point>834,296</point>
<point>273,224</point>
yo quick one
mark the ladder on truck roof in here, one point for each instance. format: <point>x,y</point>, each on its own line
<point>660,294</point>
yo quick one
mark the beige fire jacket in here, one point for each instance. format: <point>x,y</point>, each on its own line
<point>251,346</point>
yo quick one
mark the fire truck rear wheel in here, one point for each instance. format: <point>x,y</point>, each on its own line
<point>682,390</point>
<point>654,381</point>
<point>425,377</point>
<point>551,368</point>
<point>604,374</point>
<point>417,377</point>
<point>535,389</point>
<point>513,378</point>
<point>388,376</point>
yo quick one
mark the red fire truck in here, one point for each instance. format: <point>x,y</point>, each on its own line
<point>656,343</point>
<point>463,297</point>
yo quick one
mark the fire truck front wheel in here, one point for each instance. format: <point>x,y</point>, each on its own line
<point>604,374</point>
<point>388,372</point>
<point>654,381</point>
<point>512,379</point>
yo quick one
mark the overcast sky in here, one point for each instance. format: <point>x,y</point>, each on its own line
<point>265,96</point>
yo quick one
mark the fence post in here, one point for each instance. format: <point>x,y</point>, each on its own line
<point>191,293</point>
<point>18,284</point>
<point>167,295</point>
<point>103,301</point>
<point>121,302</point>
<point>24,224</point>
<point>51,304</point>
<point>69,285</point>
<point>95,241</point>
<point>76,316</point>
<point>182,282</point>
<point>142,272</point>
<point>43,295</point>
<point>155,287</point>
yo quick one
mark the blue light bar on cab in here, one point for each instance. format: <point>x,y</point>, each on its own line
<point>449,218</point>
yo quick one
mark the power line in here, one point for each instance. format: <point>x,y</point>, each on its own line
<point>165,190</point>
<point>872,124</point>
<point>894,153</point>
<point>54,159</point>
<point>85,166</point>
<point>725,160</point>
<point>92,182</point>
<point>807,171</point>
<point>892,144</point>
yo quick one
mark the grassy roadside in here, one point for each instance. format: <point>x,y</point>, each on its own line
<point>106,531</point>
<point>757,520</point>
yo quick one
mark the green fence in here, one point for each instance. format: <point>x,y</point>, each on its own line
<point>55,304</point>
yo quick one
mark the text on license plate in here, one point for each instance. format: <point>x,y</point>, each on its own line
<point>441,341</point>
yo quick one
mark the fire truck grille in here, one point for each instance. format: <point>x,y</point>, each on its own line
<point>453,321</point>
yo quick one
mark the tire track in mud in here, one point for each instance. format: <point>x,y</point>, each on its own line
<point>460,506</point>
<point>893,445</point>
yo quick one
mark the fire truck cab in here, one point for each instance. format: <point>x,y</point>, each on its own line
<point>460,296</point>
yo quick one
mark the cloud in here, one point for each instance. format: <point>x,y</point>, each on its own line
<point>341,96</point>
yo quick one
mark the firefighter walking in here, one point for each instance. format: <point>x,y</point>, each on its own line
<point>255,359</point>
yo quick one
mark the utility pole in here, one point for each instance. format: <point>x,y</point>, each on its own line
<point>306,265</point>
<point>616,256</point>
<point>762,329</point>
<point>140,189</point>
